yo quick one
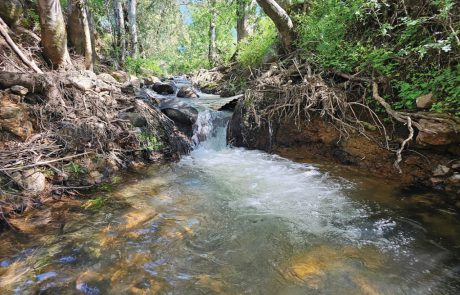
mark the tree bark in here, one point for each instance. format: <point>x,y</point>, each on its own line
<point>212,55</point>
<point>119,29</point>
<point>132,16</point>
<point>243,29</point>
<point>54,37</point>
<point>79,31</point>
<point>281,19</point>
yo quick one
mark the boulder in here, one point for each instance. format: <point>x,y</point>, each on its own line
<point>164,88</point>
<point>107,78</point>
<point>187,92</point>
<point>424,101</point>
<point>438,133</point>
<point>149,81</point>
<point>132,86</point>
<point>179,112</point>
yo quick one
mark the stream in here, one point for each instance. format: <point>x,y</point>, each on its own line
<point>227,220</point>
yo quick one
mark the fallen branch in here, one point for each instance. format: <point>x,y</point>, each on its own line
<point>28,62</point>
<point>43,163</point>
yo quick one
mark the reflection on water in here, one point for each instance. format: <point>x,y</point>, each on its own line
<point>232,221</point>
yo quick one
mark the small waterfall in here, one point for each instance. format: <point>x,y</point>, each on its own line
<point>210,130</point>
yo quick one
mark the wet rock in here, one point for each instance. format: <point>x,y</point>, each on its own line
<point>14,118</point>
<point>438,133</point>
<point>149,95</point>
<point>436,181</point>
<point>32,181</point>
<point>152,80</point>
<point>441,170</point>
<point>187,92</point>
<point>425,101</point>
<point>107,78</point>
<point>179,112</point>
<point>19,90</point>
<point>164,88</point>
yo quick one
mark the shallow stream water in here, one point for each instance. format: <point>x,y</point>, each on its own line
<point>232,221</point>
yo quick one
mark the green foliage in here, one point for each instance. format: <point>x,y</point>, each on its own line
<point>149,142</point>
<point>95,203</point>
<point>139,66</point>
<point>255,48</point>
<point>74,168</point>
<point>416,51</point>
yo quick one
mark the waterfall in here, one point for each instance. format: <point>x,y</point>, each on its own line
<point>210,130</point>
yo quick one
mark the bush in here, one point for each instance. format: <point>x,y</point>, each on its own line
<point>414,49</point>
<point>255,48</point>
<point>139,66</point>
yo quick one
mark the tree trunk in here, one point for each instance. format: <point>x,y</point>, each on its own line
<point>281,19</point>
<point>54,37</point>
<point>212,55</point>
<point>243,29</point>
<point>133,28</point>
<point>119,29</point>
<point>79,31</point>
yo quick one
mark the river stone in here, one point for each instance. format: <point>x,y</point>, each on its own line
<point>164,88</point>
<point>187,92</point>
<point>19,90</point>
<point>441,170</point>
<point>425,101</point>
<point>32,181</point>
<point>187,116</point>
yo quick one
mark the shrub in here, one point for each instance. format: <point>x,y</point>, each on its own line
<point>255,48</point>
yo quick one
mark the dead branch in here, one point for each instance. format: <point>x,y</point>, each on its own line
<point>43,163</point>
<point>403,145</point>
<point>30,63</point>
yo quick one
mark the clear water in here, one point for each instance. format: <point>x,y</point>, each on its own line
<point>232,221</point>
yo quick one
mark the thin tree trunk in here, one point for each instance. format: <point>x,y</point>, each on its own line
<point>53,33</point>
<point>79,31</point>
<point>133,28</point>
<point>119,29</point>
<point>243,29</point>
<point>281,19</point>
<point>212,35</point>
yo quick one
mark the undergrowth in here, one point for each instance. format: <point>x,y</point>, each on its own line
<point>414,46</point>
<point>254,49</point>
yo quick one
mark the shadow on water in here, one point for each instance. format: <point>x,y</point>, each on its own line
<point>232,221</point>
